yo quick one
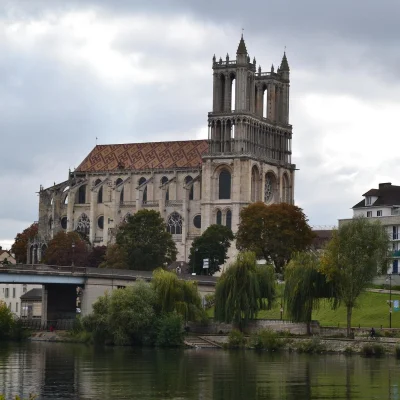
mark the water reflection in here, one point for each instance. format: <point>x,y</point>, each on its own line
<point>64,371</point>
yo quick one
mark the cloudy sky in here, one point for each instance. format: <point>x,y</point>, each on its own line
<point>131,71</point>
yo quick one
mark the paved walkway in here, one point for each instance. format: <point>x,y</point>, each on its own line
<point>383,291</point>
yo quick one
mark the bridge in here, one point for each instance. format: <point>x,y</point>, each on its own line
<point>66,287</point>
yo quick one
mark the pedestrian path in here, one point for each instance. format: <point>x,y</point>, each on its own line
<point>199,342</point>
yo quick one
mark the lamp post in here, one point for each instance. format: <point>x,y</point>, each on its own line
<point>73,256</point>
<point>194,261</point>
<point>389,279</point>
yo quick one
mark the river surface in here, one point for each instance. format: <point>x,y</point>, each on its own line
<point>69,371</point>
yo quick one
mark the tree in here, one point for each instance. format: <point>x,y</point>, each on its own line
<point>96,256</point>
<point>213,245</point>
<point>244,289</point>
<point>355,255</point>
<point>146,241</point>
<point>274,232</point>
<point>6,320</point>
<point>20,245</point>
<point>305,286</point>
<point>61,252</point>
<point>116,257</point>
<point>176,295</point>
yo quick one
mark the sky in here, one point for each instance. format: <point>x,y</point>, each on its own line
<point>126,71</point>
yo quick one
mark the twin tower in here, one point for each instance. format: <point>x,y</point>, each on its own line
<point>250,114</point>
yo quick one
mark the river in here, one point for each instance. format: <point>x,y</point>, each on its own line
<point>69,371</point>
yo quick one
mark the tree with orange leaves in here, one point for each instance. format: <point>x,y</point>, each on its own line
<point>19,247</point>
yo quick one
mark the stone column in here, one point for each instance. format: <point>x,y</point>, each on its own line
<point>92,216</point>
<point>44,305</point>
<point>70,210</point>
<point>271,102</point>
<point>278,104</point>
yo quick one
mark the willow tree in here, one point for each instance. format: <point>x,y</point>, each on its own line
<point>176,295</point>
<point>305,286</point>
<point>244,289</point>
<point>355,255</point>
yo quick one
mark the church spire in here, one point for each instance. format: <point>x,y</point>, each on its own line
<point>242,47</point>
<point>284,64</point>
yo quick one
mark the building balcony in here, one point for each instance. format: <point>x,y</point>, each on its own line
<point>396,254</point>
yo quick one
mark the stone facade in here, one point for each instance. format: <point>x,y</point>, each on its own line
<point>193,184</point>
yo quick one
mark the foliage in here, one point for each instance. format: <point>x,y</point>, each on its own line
<point>266,339</point>
<point>115,257</point>
<point>311,346</point>
<point>354,256</point>
<point>369,350</point>
<point>169,330</point>
<point>213,245</point>
<point>61,251</point>
<point>20,245</point>
<point>31,397</point>
<point>243,289</point>
<point>96,256</point>
<point>397,351</point>
<point>274,232</point>
<point>176,295</point>
<point>146,241</point>
<point>236,339</point>
<point>6,321</point>
<point>305,285</point>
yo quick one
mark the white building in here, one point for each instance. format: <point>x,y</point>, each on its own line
<point>383,204</point>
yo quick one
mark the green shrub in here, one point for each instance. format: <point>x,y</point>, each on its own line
<point>31,397</point>
<point>348,350</point>
<point>6,320</point>
<point>266,339</point>
<point>397,351</point>
<point>169,330</point>
<point>311,346</point>
<point>367,350</point>
<point>236,339</point>
<point>378,349</point>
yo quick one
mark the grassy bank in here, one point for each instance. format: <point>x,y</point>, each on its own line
<point>372,310</point>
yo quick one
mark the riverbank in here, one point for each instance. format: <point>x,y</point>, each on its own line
<point>293,343</point>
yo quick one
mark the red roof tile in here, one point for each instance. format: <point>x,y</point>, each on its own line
<point>136,156</point>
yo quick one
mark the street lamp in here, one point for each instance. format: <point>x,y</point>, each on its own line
<point>194,261</point>
<point>389,279</point>
<point>73,256</point>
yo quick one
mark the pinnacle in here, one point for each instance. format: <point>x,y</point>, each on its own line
<point>242,47</point>
<point>284,64</point>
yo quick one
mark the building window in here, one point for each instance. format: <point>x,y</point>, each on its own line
<point>164,180</point>
<point>189,179</point>
<point>64,221</point>
<point>379,213</point>
<point>83,224</point>
<point>395,269</point>
<point>141,182</point>
<point>100,195</point>
<point>197,221</point>
<point>16,307</point>
<point>368,201</point>
<point>14,293</point>
<point>228,221</point>
<point>395,233</point>
<point>270,187</point>
<point>82,195</point>
<point>369,214</point>
<point>100,222</point>
<point>174,225</point>
<point>219,217</point>
<point>6,293</point>
<point>224,185</point>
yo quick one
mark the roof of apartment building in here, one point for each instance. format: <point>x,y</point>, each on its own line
<point>139,156</point>
<point>387,195</point>
<point>33,294</point>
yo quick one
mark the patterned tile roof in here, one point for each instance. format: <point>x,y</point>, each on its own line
<point>136,156</point>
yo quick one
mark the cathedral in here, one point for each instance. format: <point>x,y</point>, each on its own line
<point>192,183</point>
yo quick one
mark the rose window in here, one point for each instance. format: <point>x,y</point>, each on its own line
<point>269,189</point>
<point>174,224</point>
<point>83,224</point>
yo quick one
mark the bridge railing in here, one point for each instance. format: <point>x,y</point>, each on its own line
<point>42,268</point>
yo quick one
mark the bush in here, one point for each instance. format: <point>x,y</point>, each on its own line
<point>6,321</point>
<point>397,351</point>
<point>348,350</point>
<point>369,350</point>
<point>311,346</point>
<point>236,339</point>
<point>266,339</point>
<point>169,330</point>
<point>31,397</point>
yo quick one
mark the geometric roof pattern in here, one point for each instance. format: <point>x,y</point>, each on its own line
<point>137,156</point>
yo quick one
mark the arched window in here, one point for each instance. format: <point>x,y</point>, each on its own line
<point>121,196</point>
<point>189,179</point>
<point>64,222</point>
<point>82,195</point>
<point>219,217</point>
<point>50,223</point>
<point>100,222</point>
<point>228,220</point>
<point>197,221</point>
<point>174,224</point>
<point>83,225</point>
<point>224,184</point>
<point>255,184</point>
<point>100,192</point>
<point>270,188</point>
<point>141,181</point>
<point>164,180</point>
<point>285,189</point>
<point>97,182</point>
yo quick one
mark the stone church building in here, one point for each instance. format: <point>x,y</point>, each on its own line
<point>192,183</point>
